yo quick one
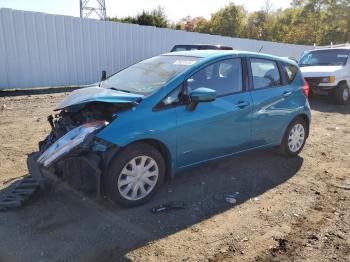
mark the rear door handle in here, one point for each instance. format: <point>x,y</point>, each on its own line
<point>242,104</point>
<point>287,93</point>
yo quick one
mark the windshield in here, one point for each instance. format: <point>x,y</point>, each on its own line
<point>325,57</point>
<point>149,75</point>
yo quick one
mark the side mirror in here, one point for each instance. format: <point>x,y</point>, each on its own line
<point>203,94</point>
<point>294,59</point>
<point>103,75</point>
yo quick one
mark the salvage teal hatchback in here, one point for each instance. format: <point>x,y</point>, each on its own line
<point>171,112</point>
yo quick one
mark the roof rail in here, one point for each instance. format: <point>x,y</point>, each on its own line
<point>347,44</point>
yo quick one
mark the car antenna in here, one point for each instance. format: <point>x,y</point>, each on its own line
<point>103,77</point>
<point>261,48</point>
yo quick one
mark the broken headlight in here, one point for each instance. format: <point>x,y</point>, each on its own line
<point>69,141</point>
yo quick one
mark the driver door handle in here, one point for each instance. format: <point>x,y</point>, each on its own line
<point>242,104</point>
<point>287,93</point>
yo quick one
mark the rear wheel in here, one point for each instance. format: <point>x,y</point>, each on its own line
<point>342,94</point>
<point>295,137</point>
<point>135,175</point>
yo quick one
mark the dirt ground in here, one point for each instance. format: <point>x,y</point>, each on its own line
<point>287,209</point>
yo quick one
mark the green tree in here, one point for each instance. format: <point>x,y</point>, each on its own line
<point>314,22</point>
<point>289,27</point>
<point>203,26</point>
<point>228,21</point>
<point>304,22</point>
<point>196,24</point>
<point>257,26</point>
<point>155,17</point>
<point>336,24</point>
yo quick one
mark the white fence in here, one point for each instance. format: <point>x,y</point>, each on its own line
<point>38,49</point>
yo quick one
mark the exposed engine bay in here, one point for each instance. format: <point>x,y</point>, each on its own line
<point>66,120</point>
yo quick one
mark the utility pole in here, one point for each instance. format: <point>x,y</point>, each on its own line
<point>90,7</point>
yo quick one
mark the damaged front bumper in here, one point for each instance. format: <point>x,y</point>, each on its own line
<point>78,157</point>
<point>69,142</point>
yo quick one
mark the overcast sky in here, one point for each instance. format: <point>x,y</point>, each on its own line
<point>175,10</point>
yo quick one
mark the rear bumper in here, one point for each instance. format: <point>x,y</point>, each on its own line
<point>323,90</point>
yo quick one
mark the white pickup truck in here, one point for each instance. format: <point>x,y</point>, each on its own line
<point>327,71</point>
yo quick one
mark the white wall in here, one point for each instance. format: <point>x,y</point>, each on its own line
<point>38,49</point>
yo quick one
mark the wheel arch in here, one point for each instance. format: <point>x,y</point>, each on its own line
<point>303,116</point>
<point>344,81</point>
<point>307,121</point>
<point>161,147</point>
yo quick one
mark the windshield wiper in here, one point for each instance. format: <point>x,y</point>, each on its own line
<point>325,63</point>
<point>121,90</point>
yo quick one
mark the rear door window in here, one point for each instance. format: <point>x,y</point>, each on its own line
<point>265,73</point>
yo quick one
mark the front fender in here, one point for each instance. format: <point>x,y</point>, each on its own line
<point>143,124</point>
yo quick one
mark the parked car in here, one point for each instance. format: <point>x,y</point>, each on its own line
<point>177,48</point>
<point>327,71</point>
<point>172,112</point>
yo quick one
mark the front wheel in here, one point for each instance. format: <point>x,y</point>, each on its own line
<point>295,137</point>
<point>342,94</point>
<point>311,94</point>
<point>135,175</point>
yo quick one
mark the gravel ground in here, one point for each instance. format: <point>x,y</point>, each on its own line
<point>286,210</point>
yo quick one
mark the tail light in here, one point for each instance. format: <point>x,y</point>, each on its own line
<point>306,88</point>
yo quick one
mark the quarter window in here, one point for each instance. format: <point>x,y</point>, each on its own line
<point>265,73</point>
<point>173,99</point>
<point>225,77</point>
<point>290,72</point>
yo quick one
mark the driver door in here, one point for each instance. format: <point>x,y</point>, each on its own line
<point>218,128</point>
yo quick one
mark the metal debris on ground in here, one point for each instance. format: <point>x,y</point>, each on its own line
<point>20,193</point>
<point>169,206</point>
<point>23,190</point>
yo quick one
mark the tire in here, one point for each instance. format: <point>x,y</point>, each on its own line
<point>297,126</point>
<point>342,94</point>
<point>311,94</point>
<point>122,170</point>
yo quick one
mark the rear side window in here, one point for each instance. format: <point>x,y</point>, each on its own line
<point>265,73</point>
<point>290,72</point>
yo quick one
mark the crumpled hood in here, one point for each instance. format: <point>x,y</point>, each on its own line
<point>81,97</point>
<point>319,71</point>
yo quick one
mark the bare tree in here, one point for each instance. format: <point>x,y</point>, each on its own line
<point>267,7</point>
